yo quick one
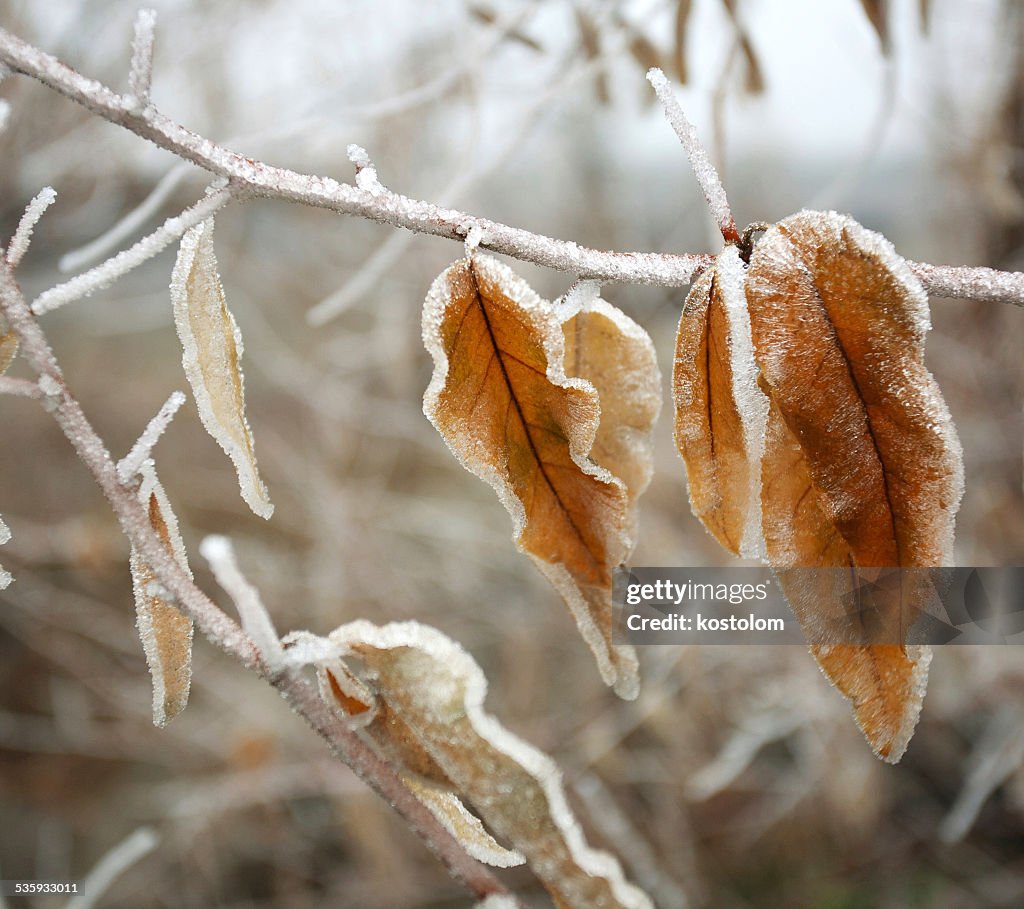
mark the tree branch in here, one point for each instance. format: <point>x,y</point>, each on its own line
<point>385,206</point>
<point>291,684</point>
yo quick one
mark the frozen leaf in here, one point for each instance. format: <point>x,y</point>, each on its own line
<point>615,355</point>
<point>436,690</point>
<point>502,401</point>
<point>165,632</point>
<point>719,411</point>
<point>8,346</point>
<point>862,465</point>
<point>212,354</point>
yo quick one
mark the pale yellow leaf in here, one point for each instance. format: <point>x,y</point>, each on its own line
<point>211,355</point>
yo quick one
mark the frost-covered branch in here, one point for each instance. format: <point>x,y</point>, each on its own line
<point>140,77</point>
<point>132,462</point>
<point>291,684</point>
<point>704,170</point>
<point>107,272</point>
<point>383,205</point>
<point>18,246</point>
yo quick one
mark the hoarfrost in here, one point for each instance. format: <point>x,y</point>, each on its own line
<point>211,356</point>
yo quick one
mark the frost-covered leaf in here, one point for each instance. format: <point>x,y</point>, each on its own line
<point>436,692</point>
<point>862,465</point>
<point>8,346</point>
<point>212,355</point>
<point>614,354</point>
<point>165,632</point>
<point>719,411</point>
<point>500,398</point>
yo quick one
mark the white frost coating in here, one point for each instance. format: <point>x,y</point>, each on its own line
<point>112,866</point>
<point>457,671</point>
<point>577,299</point>
<point>751,402</point>
<point>5,532</point>
<point>466,827</point>
<point>366,173</point>
<point>142,450</point>
<point>212,359</point>
<point>141,74</point>
<point>107,272</point>
<point>497,901</point>
<point>48,385</point>
<point>5,114</point>
<point>624,678</point>
<point>703,169</point>
<point>18,246</point>
<point>176,677</point>
<point>256,621</point>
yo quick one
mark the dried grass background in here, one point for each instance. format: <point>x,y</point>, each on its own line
<point>738,779</point>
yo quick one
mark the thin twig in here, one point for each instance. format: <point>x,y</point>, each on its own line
<point>142,450</point>
<point>258,178</point>
<point>18,246</point>
<point>118,860</point>
<point>291,684</point>
<point>140,77</point>
<point>107,272</point>
<point>21,388</point>
<point>704,170</point>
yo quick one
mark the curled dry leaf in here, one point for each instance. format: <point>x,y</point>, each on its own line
<point>614,354</point>
<point>395,740</point>
<point>434,691</point>
<point>501,399</point>
<point>862,465</point>
<point>165,632</point>
<point>211,355</point>
<point>719,411</point>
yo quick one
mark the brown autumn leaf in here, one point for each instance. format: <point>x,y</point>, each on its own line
<point>165,632</point>
<point>862,466</point>
<point>614,354</point>
<point>501,399</point>
<point>719,412</point>
<point>432,693</point>
<point>8,346</point>
<point>212,355</point>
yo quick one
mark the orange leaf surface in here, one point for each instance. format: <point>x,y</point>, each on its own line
<point>166,633</point>
<point>862,466</point>
<point>719,412</point>
<point>502,401</point>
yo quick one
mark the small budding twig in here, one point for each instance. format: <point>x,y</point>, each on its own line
<point>18,246</point>
<point>703,169</point>
<point>256,621</point>
<point>107,272</point>
<point>142,450</point>
<point>140,77</point>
